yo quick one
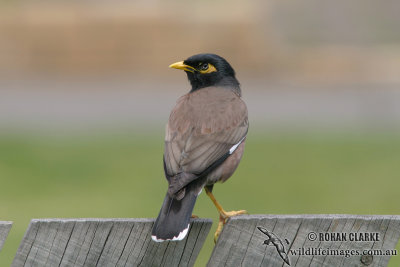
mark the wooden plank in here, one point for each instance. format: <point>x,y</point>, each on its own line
<point>307,240</point>
<point>5,228</point>
<point>106,242</point>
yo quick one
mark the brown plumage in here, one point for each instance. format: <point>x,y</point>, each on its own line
<point>202,127</point>
<point>204,142</point>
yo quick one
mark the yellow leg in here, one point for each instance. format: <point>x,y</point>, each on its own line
<point>223,215</point>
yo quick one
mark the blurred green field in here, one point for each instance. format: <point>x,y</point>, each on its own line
<point>121,175</point>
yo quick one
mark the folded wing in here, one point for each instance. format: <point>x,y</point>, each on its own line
<point>203,127</point>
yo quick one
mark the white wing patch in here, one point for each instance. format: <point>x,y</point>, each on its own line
<point>236,146</point>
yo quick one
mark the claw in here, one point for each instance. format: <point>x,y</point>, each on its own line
<point>228,214</point>
<point>219,230</point>
<point>223,218</point>
<point>223,215</point>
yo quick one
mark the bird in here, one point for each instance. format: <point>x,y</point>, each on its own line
<point>204,142</point>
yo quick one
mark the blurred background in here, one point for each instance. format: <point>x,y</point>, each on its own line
<point>85,93</point>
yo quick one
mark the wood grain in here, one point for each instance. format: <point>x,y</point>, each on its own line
<point>105,242</point>
<point>241,243</point>
<point>5,228</point>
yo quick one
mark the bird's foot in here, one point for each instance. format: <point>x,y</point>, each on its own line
<point>223,218</point>
<point>219,229</point>
<point>227,214</point>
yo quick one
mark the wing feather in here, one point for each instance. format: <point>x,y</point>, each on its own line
<point>202,127</point>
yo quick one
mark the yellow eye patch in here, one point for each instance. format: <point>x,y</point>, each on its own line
<point>206,68</point>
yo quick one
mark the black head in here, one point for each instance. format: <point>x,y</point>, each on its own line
<point>204,70</point>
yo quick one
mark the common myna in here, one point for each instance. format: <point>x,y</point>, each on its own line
<point>204,142</point>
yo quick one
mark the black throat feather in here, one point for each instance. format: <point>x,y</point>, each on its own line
<point>213,79</point>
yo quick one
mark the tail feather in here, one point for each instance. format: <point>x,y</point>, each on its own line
<point>173,220</point>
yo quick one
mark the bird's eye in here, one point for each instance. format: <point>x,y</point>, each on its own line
<point>204,66</point>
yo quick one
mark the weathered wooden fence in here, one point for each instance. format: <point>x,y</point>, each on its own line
<point>307,240</point>
<point>4,230</point>
<point>106,242</point>
<point>251,240</point>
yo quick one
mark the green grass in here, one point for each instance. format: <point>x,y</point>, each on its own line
<point>121,175</point>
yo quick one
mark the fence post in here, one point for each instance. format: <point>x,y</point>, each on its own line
<point>307,240</point>
<point>4,230</point>
<point>106,242</point>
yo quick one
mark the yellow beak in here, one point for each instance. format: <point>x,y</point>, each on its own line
<point>182,66</point>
